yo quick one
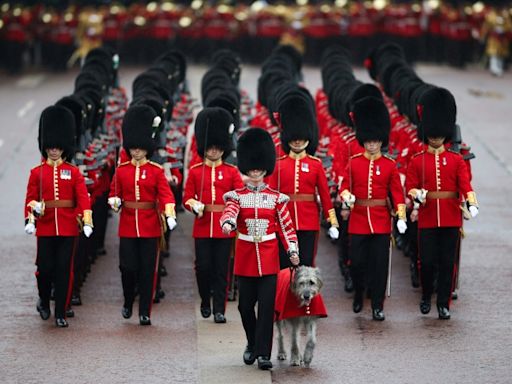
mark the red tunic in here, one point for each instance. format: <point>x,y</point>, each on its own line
<point>287,304</point>
<point>302,177</point>
<point>258,211</point>
<point>441,171</point>
<point>54,181</point>
<point>372,179</point>
<point>142,183</point>
<point>215,179</point>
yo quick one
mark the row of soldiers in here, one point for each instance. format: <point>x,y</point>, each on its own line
<point>438,32</point>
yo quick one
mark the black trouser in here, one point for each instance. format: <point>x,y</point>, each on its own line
<point>212,265</point>
<point>370,252</point>
<point>259,331</point>
<point>343,246</point>
<point>138,260</point>
<point>55,264</point>
<point>307,250</point>
<point>438,246</point>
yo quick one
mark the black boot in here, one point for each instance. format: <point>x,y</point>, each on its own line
<point>44,310</point>
<point>444,312</point>
<point>357,304</point>
<point>249,357</point>
<point>425,305</point>
<point>415,280</point>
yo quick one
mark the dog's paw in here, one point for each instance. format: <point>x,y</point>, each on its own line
<point>281,356</point>
<point>295,362</point>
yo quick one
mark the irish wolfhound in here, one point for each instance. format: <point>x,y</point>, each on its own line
<point>298,302</point>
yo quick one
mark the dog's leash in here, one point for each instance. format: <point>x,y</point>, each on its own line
<point>293,268</point>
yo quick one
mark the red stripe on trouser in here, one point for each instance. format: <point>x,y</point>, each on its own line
<point>155,277</point>
<point>71,276</point>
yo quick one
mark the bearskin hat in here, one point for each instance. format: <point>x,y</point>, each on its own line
<point>256,150</point>
<point>140,125</point>
<point>371,120</point>
<point>213,127</point>
<point>437,114</point>
<point>57,130</point>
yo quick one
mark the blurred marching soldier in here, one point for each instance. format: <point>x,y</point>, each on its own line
<point>206,184</point>
<point>16,37</point>
<point>302,176</point>
<point>436,178</point>
<point>56,197</point>
<point>140,188</point>
<point>496,31</point>
<point>370,178</point>
<point>258,213</point>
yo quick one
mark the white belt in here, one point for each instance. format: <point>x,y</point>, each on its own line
<point>256,239</point>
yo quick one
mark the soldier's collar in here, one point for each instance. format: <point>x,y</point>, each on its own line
<point>256,188</point>
<point>372,157</point>
<point>297,156</point>
<point>55,163</point>
<point>212,164</point>
<point>436,151</point>
<point>140,162</point>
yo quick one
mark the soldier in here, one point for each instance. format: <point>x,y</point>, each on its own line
<point>258,213</point>
<point>56,195</point>
<point>301,176</point>
<point>141,189</point>
<point>436,178</point>
<point>206,184</point>
<point>370,178</point>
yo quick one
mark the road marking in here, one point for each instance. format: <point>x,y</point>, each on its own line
<point>1,142</point>
<point>27,107</point>
<point>30,81</point>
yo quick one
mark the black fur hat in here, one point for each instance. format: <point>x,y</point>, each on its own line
<point>437,113</point>
<point>213,127</point>
<point>57,130</point>
<point>371,121</point>
<point>140,125</point>
<point>256,150</point>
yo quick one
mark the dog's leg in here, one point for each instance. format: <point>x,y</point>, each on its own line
<point>311,340</point>
<point>281,353</point>
<point>295,354</point>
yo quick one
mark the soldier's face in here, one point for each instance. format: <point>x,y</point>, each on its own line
<point>138,153</point>
<point>372,147</point>
<point>256,175</point>
<point>435,142</point>
<point>298,146</point>
<point>54,153</point>
<point>214,153</point>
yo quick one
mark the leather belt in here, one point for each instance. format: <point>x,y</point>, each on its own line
<point>256,239</point>
<point>442,195</point>
<point>59,204</point>
<point>214,207</point>
<point>371,202</point>
<point>139,204</point>
<point>302,197</point>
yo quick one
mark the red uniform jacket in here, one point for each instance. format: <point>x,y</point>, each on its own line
<point>441,170</point>
<point>215,179</point>
<point>287,304</point>
<point>258,212</point>
<point>142,183</point>
<point>54,182</point>
<point>372,179</point>
<point>302,177</point>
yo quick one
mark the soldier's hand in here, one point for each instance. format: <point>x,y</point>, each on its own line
<point>87,230</point>
<point>421,196</point>
<point>115,203</point>
<point>473,210</point>
<point>38,207</point>
<point>414,215</point>
<point>30,228</point>
<point>401,226</point>
<point>294,259</point>
<point>198,209</point>
<point>334,233</point>
<point>227,228</point>
<point>171,223</point>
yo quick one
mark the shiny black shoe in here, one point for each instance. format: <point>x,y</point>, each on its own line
<point>70,312</point>
<point>61,323</point>
<point>206,312</point>
<point>144,320</point>
<point>159,294</point>
<point>249,357</point>
<point>444,313</point>
<point>349,284</point>
<point>415,280</point>
<point>455,295</point>
<point>162,271</point>
<point>219,318</point>
<point>44,312</point>
<point>425,306</point>
<point>378,315</point>
<point>357,304</point>
<point>76,299</point>
<point>126,312</point>
<point>264,363</point>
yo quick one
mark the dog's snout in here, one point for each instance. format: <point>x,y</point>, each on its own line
<point>307,295</point>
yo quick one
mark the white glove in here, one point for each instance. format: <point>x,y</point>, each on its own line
<point>401,225</point>
<point>30,228</point>
<point>87,230</point>
<point>115,203</point>
<point>421,196</point>
<point>171,223</point>
<point>198,209</point>
<point>38,207</point>
<point>227,228</point>
<point>473,210</point>
<point>334,233</point>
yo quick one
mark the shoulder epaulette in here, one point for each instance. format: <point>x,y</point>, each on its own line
<point>38,165</point>
<point>124,163</point>
<point>156,164</point>
<point>356,155</point>
<point>230,165</point>
<point>282,157</point>
<point>417,154</point>
<point>197,165</point>
<point>453,151</point>
<point>389,157</point>
<point>314,158</point>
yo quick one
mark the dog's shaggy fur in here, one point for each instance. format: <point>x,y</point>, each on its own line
<point>305,285</point>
